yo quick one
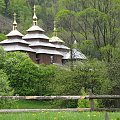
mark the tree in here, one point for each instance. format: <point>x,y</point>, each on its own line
<point>5,90</point>
<point>2,57</point>
<point>22,73</point>
<point>26,77</point>
<point>6,6</point>
<point>69,22</point>
<point>92,74</point>
<point>2,37</point>
<point>99,22</point>
<point>4,85</point>
<point>2,5</point>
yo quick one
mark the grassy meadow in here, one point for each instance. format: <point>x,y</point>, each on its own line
<point>33,104</point>
<point>60,116</point>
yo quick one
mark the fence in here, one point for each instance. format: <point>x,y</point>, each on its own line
<point>90,97</point>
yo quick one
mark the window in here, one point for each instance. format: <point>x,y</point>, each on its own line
<point>52,59</point>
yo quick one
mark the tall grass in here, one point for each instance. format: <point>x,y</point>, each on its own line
<point>60,116</point>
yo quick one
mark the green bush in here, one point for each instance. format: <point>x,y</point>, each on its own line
<point>26,77</point>
<point>2,57</point>
<point>5,90</point>
<point>2,37</point>
<point>83,103</point>
<point>22,73</point>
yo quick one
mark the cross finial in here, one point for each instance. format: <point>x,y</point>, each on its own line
<point>55,29</point>
<point>34,17</point>
<point>14,22</point>
<point>34,9</point>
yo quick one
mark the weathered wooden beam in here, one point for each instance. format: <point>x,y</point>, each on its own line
<point>107,109</point>
<point>106,116</point>
<point>44,110</point>
<point>91,101</point>
<point>62,97</point>
<point>103,97</point>
<point>43,97</point>
<point>57,110</point>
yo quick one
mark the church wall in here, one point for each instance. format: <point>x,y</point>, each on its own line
<point>32,56</point>
<point>58,59</point>
<point>43,58</point>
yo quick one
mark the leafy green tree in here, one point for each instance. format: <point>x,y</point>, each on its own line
<point>107,52</point>
<point>44,83</point>
<point>21,73</point>
<point>66,20</point>
<point>2,5</point>
<point>2,57</point>
<point>62,82</point>
<point>26,77</point>
<point>2,37</point>
<point>5,90</point>
<point>4,85</point>
<point>92,74</point>
<point>6,7</point>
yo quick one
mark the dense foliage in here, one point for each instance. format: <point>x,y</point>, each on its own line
<point>5,88</point>
<point>28,78</point>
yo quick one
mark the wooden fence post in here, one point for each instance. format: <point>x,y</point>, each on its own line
<point>91,100</point>
<point>106,116</point>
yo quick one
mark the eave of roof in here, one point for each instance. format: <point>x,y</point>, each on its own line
<point>35,36</point>
<point>56,39</point>
<point>45,51</point>
<point>61,47</point>
<point>7,41</point>
<point>17,48</point>
<point>14,33</point>
<point>35,28</point>
<point>38,43</point>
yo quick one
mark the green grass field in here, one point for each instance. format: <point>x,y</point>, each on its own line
<point>36,104</point>
<point>33,104</point>
<point>60,116</point>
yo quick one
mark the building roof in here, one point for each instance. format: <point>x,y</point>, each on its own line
<point>61,47</point>
<point>38,43</point>
<point>14,41</point>
<point>15,47</point>
<point>14,33</point>
<point>35,35</point>
<point>35,28</point>
<point>47,51</point>
<point>56,39</point>
<point>75,55</point>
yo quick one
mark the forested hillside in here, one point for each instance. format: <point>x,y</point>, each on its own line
<point>94,24</point>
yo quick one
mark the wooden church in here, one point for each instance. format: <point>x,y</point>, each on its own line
<point>40,48</point>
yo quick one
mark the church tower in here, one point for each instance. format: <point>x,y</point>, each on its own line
<point>45,51</point>
<point>16,43</point>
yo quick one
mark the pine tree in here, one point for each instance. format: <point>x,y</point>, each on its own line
<point>2,6</point>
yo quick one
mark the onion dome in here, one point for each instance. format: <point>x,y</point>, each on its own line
<point>35,27</point>
<point>55,39</point>
<point>14,32</point>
